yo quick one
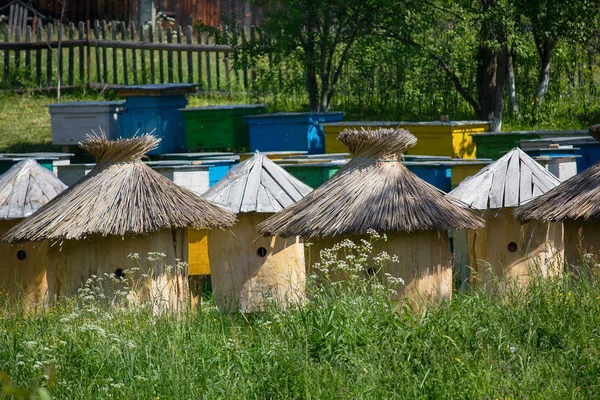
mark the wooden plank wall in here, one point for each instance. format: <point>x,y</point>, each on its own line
<point>185,12</point>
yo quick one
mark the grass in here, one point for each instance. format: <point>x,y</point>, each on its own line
<point>347,342</point>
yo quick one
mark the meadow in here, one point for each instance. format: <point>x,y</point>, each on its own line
<point>347,341</point>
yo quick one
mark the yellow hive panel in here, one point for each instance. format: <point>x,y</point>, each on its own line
<point>432,140</point>
<point>332,144</point>
<point>461,172</point>
<point>462,143</point>
<point>198,252</point>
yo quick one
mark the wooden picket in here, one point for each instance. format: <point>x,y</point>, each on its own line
<point>103,54</point>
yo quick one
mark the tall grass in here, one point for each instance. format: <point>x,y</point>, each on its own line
<point>346,342</point>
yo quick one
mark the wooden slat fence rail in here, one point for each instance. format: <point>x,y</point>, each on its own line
<point>108,53</point>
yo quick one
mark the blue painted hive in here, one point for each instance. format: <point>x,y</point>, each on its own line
<point>217,169</point>
<point>289,131</point>
<point>155,109</point>
<point>435,173</point>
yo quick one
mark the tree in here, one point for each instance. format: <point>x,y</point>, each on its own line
<point>320,33</point>
<point>467,39</point>
<point>552,21</point>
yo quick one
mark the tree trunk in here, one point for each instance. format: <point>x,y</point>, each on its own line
<point>545,48</point>
<point>491,72</point>
<point>513,104</point>
<point>312,84</point>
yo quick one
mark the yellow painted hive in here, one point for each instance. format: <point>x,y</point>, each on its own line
<point>435,138</point>
<point>461,170</point>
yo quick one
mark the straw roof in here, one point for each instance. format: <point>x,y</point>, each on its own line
<point>576,198</point>
<point>25,187</point>
<point>511,181</point>
<point>120,196</point>
<point>257,185</point>
<point>373,191</point>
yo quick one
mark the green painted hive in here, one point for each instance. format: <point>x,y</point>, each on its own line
<point>314,175</point>
<point>218,127</point>
<point>7,162</point>
<point>495,144</point>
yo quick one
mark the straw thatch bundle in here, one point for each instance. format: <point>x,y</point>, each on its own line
<point>373,191</point>
<point>120,196</point>
<point>578,198</point>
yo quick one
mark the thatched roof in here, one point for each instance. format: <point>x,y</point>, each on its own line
<point>576,198</point>
<point>373,191</point>
<point>121,196</point>
<point>511,181</point>
<point>25,187</point>
<point>257,185</point>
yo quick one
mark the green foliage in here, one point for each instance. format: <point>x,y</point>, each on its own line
<point>346,342</point>
<point>316,34</point>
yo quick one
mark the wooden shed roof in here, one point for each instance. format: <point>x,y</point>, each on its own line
<point>509,182</point>
<point>26,187</point>
<point>257,185</point>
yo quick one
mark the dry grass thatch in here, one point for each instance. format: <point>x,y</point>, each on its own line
<point>120,196</point>
<point>575,198</point>
<point>25,187</point>
<point>373,191</point>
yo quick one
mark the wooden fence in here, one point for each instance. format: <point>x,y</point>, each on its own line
<point>103,54</point>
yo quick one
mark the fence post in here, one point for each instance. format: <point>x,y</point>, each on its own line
<point>81,28</point>
<point>160,56</point>
<point>124,37</point>
<point>217,71</point>
<point>71,66</point>
<point>143,40</point>
<point>134,67</point>
<point>49,58</point>
<point>208,77</point>
<point>151,53</point>
<point>88,51</point>
<point>104,55</point>
<point>190,56</point>
<point>28,54</point>
<point>113,33</point>
<point>199,57</point>
<point>38,58</point>
<point>179,57</point>
<point>97,37</point>
<point>170,55</point>
<point>226,61</point>
<point>17,58</point>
